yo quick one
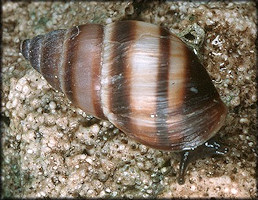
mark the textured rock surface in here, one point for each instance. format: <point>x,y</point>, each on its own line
<point>52,149</point>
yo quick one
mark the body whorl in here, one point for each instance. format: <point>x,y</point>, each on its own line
<point>142,78</point>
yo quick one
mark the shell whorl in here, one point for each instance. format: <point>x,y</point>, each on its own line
<point>139,76</point>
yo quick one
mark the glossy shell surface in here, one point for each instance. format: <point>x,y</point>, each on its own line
<point>139,76</point>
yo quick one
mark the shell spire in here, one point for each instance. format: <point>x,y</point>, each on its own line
<point>70,60</point>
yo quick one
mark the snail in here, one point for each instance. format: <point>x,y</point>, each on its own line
<point>141,77</point>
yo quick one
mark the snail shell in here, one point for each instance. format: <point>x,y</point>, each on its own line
<point>139,76</point>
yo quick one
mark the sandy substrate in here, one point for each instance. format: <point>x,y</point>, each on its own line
<point>52,149</point>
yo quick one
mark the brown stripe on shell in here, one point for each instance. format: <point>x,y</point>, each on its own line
<point>25,48</point>
<point>199,94</point>
<point>86,69</point>
<point>82,66</point>
<point>35,52</point>
<point>202,99</point>
<point>96,74</point>
<point>199,88</point>
<point>52,47</point>
<point>177,81</point>
<point>162,109</point>
<point>123,33</point>
<point>70,56</point>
